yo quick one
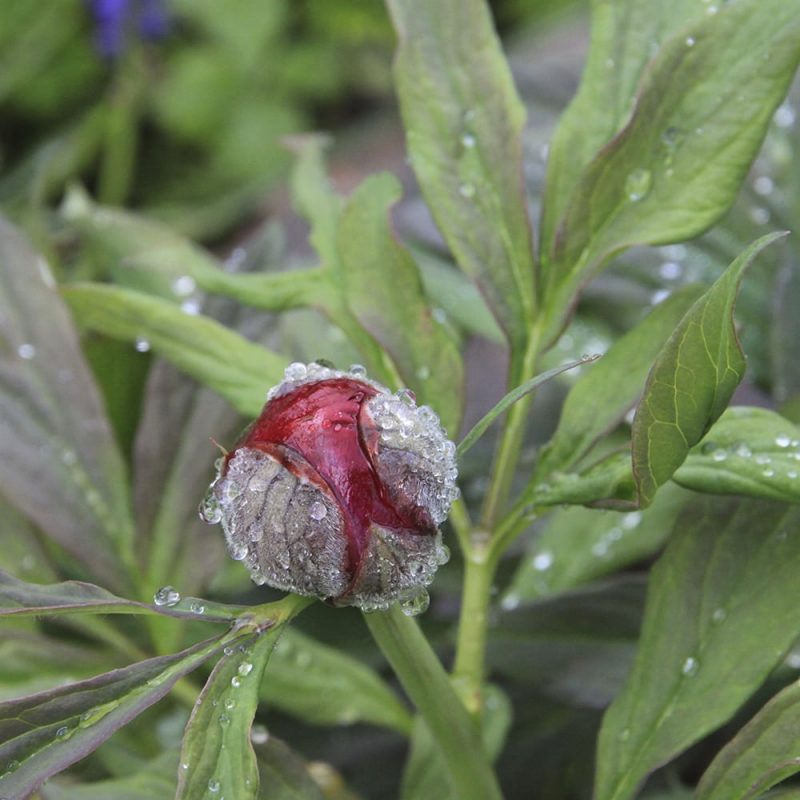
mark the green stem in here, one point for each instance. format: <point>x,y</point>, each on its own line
<point>462,525</point>
<point>469,668</point>
<point>427,684</point>
<point>507,455</point>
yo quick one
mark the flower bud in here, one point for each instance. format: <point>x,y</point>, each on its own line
<point>337,491</point>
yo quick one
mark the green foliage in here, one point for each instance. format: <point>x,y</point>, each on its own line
<point>623,593</point>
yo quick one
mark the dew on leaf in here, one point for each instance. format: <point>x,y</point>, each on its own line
<point>690,667</point>
<point>638,184</point>
<point>167,596</point>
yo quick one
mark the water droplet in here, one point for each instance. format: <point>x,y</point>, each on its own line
<point>784,116</point>
<point>543,561</point>
<point>791,474</point>
<point>245,668</point>
<point>197,608</point>
<point>659,296</point>
<point>406,397</point>
<point>318,511</point>
<point>670,270</point>
<point>711,10</point>
<point>185,765</point>
<point>236,681</point>
<point>26,351</point>
<point>762,458</point>
<point>719,455</point>
<point>224,720</point>
<point>638,184</point>
<point>228,650</point>
<point>12,765</point>
<point>742,450</point>
<point>296,371</point>
<point>782,440</point>
<point>468,140</point>
<point>167,596</point>
<point>415,605</point>
<point>759,215</point>
<point>191,307</point>
<point>213,786</point>
<point>690,42</point>
<point>358,370</point>
<point>229,704</point>
<point>141,344</point>
<point>466,190</point>
<point>672,138</point>
<point>442,554</point>
<point>719,615</point>
<point>632,520</point>
<point>259,735</point>
<point>763,185</point>
<point>768,472</point>
<point>238,552</point>
<point>62,732</point>
<point>509,602</point>
<point>690,667</point>
<point>424,372</point>
<point>184,285</point>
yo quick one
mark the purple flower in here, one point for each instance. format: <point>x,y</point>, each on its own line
<point>117,20</point>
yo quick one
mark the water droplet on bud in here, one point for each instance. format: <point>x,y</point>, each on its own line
<point>167,596</point>
<point>415,605</point>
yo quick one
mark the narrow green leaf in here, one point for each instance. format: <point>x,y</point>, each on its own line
<point>603,395</point>
<point>626,34</point>
<point>763,753</point>
<point>18,598</point>
<point>464,121</point>
<point>784,340</point>
<point>691,381</point>
<point>700,116</point>
<point>221,359</point>
<point>718,619</point>
<point>44,733</point>
<point>57,441</point>
<point>324,686</point>
<point>384,291</point>
<point>749,451</point>
<point>217,756</point>
<point>580,544</point>
<point>482,425</point>
<point>284,775</point>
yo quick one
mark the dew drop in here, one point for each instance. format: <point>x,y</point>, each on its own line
<point>318,511</point>
<point>768,472</point>
<point>632,519</point>
<point>638,184</point>
<point>670,270</point>
<point>191,307</point>
<point>784,116</point>
<point>238,552</point>
<point>719,615</point>
<point>509,602</point>
<point>782,440</point>
<point>167,596</point>
<point>224,720</point>
<point>466,190</point>
<point>296,371</point>
<point>690,667</point>
<point>358,370</point>
<point>259,735</point>
<point>742,450</point>
<point>763,185</point>
<point>424,372</point>
<point>719,454</point>
<point>406,397</point>
<point>468,140</point>
<point>62,732</point>
<point>185,765</point>
<point>236,681</point>
<point>690,42</point>
<point>672,137</point>
<point>659,296</point>
<point>762,458</point>
<point>245,668</point>
<point>759,215</point>
<point>26,351</point>
<point>184,285</point>
<point>442,554</point>
<point>543,561</point>
<point>213,786</point>
<point>141,344</point>
<point>197,608</point>
<point>416,605</point>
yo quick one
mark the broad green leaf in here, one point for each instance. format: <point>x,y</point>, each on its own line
<point>425,775</point>
<point>18,598</point>
<point>602,395</point>
<point>626,35</point>
<point>327,687</point>
<point>284,775</point>
<point>763,753</point>
<point>608,483</point>
<point>482,425</point>
<point>577,646</point>
<point>217,756</point>
<point>216,356</point>
<point>719,617</point>
<point>146,255</point>
<point>384,291</point>
<point>580,544</point>
<point>691,381</point>
<point>154,781</point>
<point>748,451</point>
<point>464,121</point>
<point>700,116</point>
<point>44,733</point>
<point>57,442</point>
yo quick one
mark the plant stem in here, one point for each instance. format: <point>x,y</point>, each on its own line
<point>507,455</point>
<point>473,624</point>
<point>462,525</point>
<point>427,684</point>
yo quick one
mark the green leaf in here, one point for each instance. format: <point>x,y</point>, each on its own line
<point>785,333</point>
<point>464,120</point>
<point>577,646</point>
<point>580,544</point>
<point>602,395</point>
<point>624,36</point>
<point>749,451</point>
<point>18,598</point>
<point>700,117</point>
<point>57,442</point>
<point>691,381</point>
<point>44,733</point>
<point>216,356</point>
<point>324,686</point>
<point>217,756</point>
<point>719,617</point>
<point>426,776</point>
<point>284,775</point>
<point>384,291</point>
<point>482,425</point>
<point>763,753</point>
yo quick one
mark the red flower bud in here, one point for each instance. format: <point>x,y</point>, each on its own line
<point>337,490</point>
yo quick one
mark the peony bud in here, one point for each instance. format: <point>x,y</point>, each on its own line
<point>337,491</point>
